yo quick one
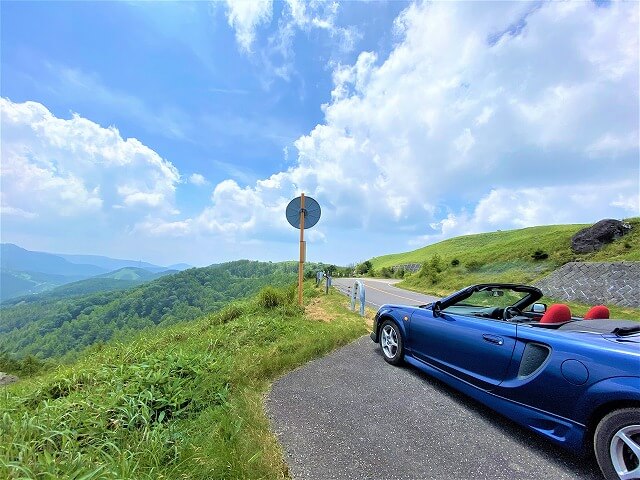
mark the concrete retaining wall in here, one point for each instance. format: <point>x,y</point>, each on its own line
<point>593,283</point>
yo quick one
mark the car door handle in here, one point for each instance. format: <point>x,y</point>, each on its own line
<point>493,339</point>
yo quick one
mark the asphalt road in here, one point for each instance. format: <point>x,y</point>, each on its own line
<point>379,291</point>
<point>350,415</point>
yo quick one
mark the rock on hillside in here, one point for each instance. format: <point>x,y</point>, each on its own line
<point>6,379</point>
<point>598,235</point>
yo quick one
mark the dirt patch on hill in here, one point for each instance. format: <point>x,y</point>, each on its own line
<point>314,311</point>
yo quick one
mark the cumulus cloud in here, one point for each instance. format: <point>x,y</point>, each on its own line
<point>518,208</point>
<point>197,179</point>
<point>54,167</point>
<point>479,105</point>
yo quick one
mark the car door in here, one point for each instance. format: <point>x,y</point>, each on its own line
<point>476,350</point>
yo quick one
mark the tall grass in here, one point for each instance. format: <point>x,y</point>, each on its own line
<point>183,402</point>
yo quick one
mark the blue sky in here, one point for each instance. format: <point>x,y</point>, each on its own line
<point>179,131</point>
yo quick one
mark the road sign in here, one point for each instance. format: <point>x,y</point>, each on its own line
<point>311,208</point>
<point>302,212</point>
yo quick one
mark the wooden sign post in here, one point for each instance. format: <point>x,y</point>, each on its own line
<point>302,250</point>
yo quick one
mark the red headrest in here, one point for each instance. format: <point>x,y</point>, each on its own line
<point>558,312</point>
<point>599,311</point>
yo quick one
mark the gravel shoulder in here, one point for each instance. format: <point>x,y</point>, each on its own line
<point>350,415</point>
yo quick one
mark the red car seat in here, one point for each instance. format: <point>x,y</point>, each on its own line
<point>556,313</point>
<point>598,311</point>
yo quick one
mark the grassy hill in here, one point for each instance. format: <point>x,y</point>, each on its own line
<point>135,274</point>
<point>180,402</point>
<point>503,256</point>
<point>53,327</point>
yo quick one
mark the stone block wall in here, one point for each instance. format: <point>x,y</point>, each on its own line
<point>408,267</point>
<point>593,283</point>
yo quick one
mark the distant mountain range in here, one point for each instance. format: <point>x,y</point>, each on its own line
<point>73,316</point>
<point>24,272</point>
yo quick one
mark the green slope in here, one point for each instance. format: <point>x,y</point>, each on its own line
<point>52,327</point>
<point>14,283</point>
<point>135,274</point>
<point>181,402</point>
<point>503,256</point>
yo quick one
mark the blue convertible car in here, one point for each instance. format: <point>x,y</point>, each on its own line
<point>574,380</point>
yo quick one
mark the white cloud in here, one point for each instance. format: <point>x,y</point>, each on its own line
<point>485,104</point>
<point>510,208</point>
<point>245,16</point>
<point>629,203</point>
<point>54,167</point>
<point>276,55</point>
<point>198,179</point>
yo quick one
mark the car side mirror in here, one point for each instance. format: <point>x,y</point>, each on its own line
<point>437,309</point>
<point>539,308</point>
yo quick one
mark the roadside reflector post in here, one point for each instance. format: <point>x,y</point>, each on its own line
<point>358,289</point>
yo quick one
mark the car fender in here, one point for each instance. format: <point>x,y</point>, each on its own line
<point>396,315</point>
<point>610,390</point>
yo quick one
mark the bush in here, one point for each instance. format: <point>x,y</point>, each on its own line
<point>24,367</point>
<point>270,297</point>
<point>455,262</point>
<point>432,269</point>
<point>229,313</point>
<point>364,268</point>
<point>399,273</point>
<point>386,272</point>
<point>436,263</point>
<point>539,255</point>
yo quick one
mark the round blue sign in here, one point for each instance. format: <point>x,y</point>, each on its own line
<point>311,212</point>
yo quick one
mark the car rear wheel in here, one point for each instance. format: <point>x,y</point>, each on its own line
<point>391,343</point>
<point>617,444</point>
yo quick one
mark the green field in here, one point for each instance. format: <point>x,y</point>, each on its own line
<point>502,256</point>
<point>179,402</point>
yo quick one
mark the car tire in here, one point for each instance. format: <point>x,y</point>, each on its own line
<point>391,342</point>
<point>617,444</point>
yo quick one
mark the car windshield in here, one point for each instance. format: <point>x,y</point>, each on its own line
<point>491,297</point>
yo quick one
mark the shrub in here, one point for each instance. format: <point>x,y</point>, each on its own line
<point>270,297</point>
<point>436,263</point>
<point>386,272</point>
<point>229,313</point>
<point>539,255</point>
<point>364,268</point>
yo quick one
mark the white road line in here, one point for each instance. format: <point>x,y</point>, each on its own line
<point>393,294</point>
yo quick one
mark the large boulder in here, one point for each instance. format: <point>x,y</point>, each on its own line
<point>598,235</point>
<point>6,379</point>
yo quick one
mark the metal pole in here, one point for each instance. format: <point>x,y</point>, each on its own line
<point>301,264</point>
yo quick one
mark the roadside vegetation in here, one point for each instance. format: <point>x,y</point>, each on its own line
<point>184,401</point>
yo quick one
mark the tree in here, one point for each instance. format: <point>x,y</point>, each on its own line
<point>364,268</point>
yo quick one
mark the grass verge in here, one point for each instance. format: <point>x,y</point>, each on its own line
<point>182,402</point>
